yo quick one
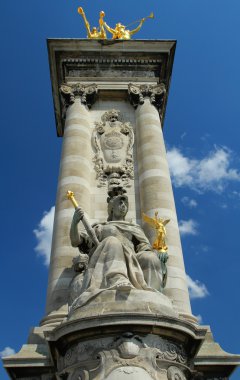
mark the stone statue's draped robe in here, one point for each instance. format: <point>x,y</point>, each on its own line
<point>123,257</point>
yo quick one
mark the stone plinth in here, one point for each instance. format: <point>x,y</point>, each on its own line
<point>133,345</point>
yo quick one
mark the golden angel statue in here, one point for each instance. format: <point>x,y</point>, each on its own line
<point>95,33</point>
<point>159,224</point>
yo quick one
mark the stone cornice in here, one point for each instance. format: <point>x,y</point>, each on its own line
<point>110,64</point>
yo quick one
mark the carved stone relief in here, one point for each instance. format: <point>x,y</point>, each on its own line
<point>80,264</point>
<point>97,359</point>
<point>174,373</point>
<point>106,66</point>
<point>113,142</point>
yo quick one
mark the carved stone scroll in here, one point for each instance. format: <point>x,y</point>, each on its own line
<point>113,141</point>
<point>156,94</point>
<point>174,373</point>
<point>69,93</point>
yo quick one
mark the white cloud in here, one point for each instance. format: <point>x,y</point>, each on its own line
<point>205,248</point>
<point>43,234</point>
<point>199,318</point>
<point>7,351</point>
<point>188,227</point>
<point>224,206</point>
<point>196,288</point>
<point>191,203</point>
<point>212,172</point>
<point>236,193</point>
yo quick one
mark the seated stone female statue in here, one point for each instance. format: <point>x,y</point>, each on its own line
<point>123,259</point>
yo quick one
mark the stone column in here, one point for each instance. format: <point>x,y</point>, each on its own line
<point>155,188</point>
<point>75,172</point>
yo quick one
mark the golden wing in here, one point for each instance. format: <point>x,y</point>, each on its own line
<point>166,221</point>
<point>149,220</point>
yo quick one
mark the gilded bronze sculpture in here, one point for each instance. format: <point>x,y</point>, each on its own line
<point>95,33</point>
<point>159,243</point>
<point>159,224</point>
<point>118,33</point>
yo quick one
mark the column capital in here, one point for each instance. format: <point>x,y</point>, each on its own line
<point>156,94</point>
<point>69,93</point>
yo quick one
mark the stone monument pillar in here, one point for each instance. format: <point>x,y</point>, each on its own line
<point>155,188</point>
<point>116,308</point>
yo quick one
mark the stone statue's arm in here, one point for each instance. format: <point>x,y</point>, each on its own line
<point>75,238</point>
<point>108,28</point>
<point>137,28</point>
<point>141,243</point>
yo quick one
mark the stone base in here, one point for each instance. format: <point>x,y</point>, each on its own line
<point>131,343</point>
<point>111,339</point>
<point>132,346</point>
<point>116,302</point>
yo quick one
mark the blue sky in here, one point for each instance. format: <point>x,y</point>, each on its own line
<point>201,133</point>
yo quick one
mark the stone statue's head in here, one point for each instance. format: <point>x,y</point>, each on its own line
<point>117,207</point>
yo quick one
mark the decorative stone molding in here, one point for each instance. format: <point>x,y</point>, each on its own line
<point>69,93</point>
<point>112,141</point>
<point>98,358</point>
<point>108,59</point>
<point>174,373</point>
<point>107,66</point>
<point>155,93</point>
<point>167,350</point>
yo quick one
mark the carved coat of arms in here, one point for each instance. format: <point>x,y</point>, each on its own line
<point>113,142</point>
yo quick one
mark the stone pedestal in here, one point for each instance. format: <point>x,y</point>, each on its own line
<point>125,345</point>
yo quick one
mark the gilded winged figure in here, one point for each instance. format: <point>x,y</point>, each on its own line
<point>159,225</point>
